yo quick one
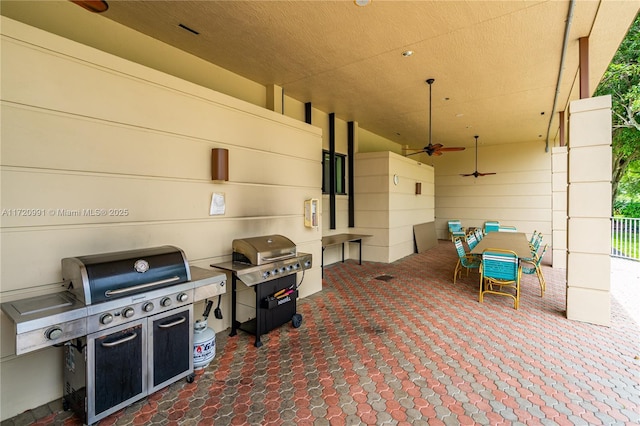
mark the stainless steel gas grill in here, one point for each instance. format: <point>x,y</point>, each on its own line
<point>269,264</point>
<point>125,321</point>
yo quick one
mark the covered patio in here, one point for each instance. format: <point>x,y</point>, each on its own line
<point>400,344</point>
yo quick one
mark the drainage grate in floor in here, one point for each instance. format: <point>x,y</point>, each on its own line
<point>384,278</point>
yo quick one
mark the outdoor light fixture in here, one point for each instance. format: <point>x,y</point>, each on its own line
<point>219,164</point>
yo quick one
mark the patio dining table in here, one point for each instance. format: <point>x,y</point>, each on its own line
<point>514,241</point>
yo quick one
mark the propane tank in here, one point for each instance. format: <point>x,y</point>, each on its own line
<point>204,341</point>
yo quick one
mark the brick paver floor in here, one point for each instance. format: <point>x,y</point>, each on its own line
<point>401,344</point>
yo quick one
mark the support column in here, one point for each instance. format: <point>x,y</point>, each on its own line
<point>589,211</point>
<point>275,98</point>
<point>559,178</point>
<point>583,45</point>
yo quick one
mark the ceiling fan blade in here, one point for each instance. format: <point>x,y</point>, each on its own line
<point>436,146</point>
<point>453,148</point>
<point>486,174</point>
<point>436,153</point>
<point>414,153</point>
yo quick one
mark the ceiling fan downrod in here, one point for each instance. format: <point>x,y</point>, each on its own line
<point>430,82</point>
<point>476,173</point>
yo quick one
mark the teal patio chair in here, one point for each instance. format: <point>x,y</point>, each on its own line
<point>455,229</point>
<point>472,241</point>
<point>504,228</point>
<point>491,226</point>
<point>532,266</point>
<point>536,241</point>
<point>465,260</point>
<point>500,274</point>
<point>479,234</point>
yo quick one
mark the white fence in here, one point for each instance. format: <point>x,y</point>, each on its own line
<point>625,237</point>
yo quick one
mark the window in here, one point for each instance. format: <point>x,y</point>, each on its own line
<point>340,173</point>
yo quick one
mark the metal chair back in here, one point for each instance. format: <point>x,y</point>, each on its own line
<point>499,272</point>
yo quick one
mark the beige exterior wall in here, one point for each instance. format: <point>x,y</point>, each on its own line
<point>560,165</point>
<point>589,211</point>
<point>82,129</point>
<point>389,211</point>
<point>520,194</point>
<point>81,154</point>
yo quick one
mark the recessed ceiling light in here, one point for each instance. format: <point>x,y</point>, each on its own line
<point>362,2</point>
<point>407,53</point>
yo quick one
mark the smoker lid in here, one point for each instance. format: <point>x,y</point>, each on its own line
<point>264,249</point>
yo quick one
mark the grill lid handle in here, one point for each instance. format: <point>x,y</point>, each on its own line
<point>276,258</point>
<point>135,288</point>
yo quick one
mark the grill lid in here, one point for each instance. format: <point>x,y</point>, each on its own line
<point>101,277</point>
<point>262,250</point>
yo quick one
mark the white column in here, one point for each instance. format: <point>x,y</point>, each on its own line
<point>559,166</point>
<point>589,211</point>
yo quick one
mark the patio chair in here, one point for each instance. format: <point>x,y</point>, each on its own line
<point>533,236</point>
<point>500,274</point>
<point>491,226</point>
<point>455,229</point>
<point>472,241</point>
<point>479,234</point>
<point>532,266</point>
<point>504,228</point>
<point>535,242</point>
<point>465,260</point>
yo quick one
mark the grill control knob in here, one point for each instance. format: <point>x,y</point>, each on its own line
<point>53,333</point>
<point>147,307</point>
<point>266,274</point>
<point>165,302</point>
<point>106,319</point>
<point>128,312</point>
<point>182,297</point>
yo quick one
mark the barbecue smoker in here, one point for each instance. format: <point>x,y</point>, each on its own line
<point>269,264</point>
<point>125,322</point>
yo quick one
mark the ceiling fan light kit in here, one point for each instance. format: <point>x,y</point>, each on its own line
<point>434,150</point>
<point>476,173</point>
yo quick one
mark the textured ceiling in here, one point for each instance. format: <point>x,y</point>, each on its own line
<point>495,63</point>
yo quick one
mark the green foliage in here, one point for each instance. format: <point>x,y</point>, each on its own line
<point>622,82</point>
<point>626,209</point>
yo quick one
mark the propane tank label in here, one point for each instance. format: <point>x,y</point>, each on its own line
<point>204,352</point>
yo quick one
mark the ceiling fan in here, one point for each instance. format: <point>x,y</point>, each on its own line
<point>434,149</point>
<point>476,173</point>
